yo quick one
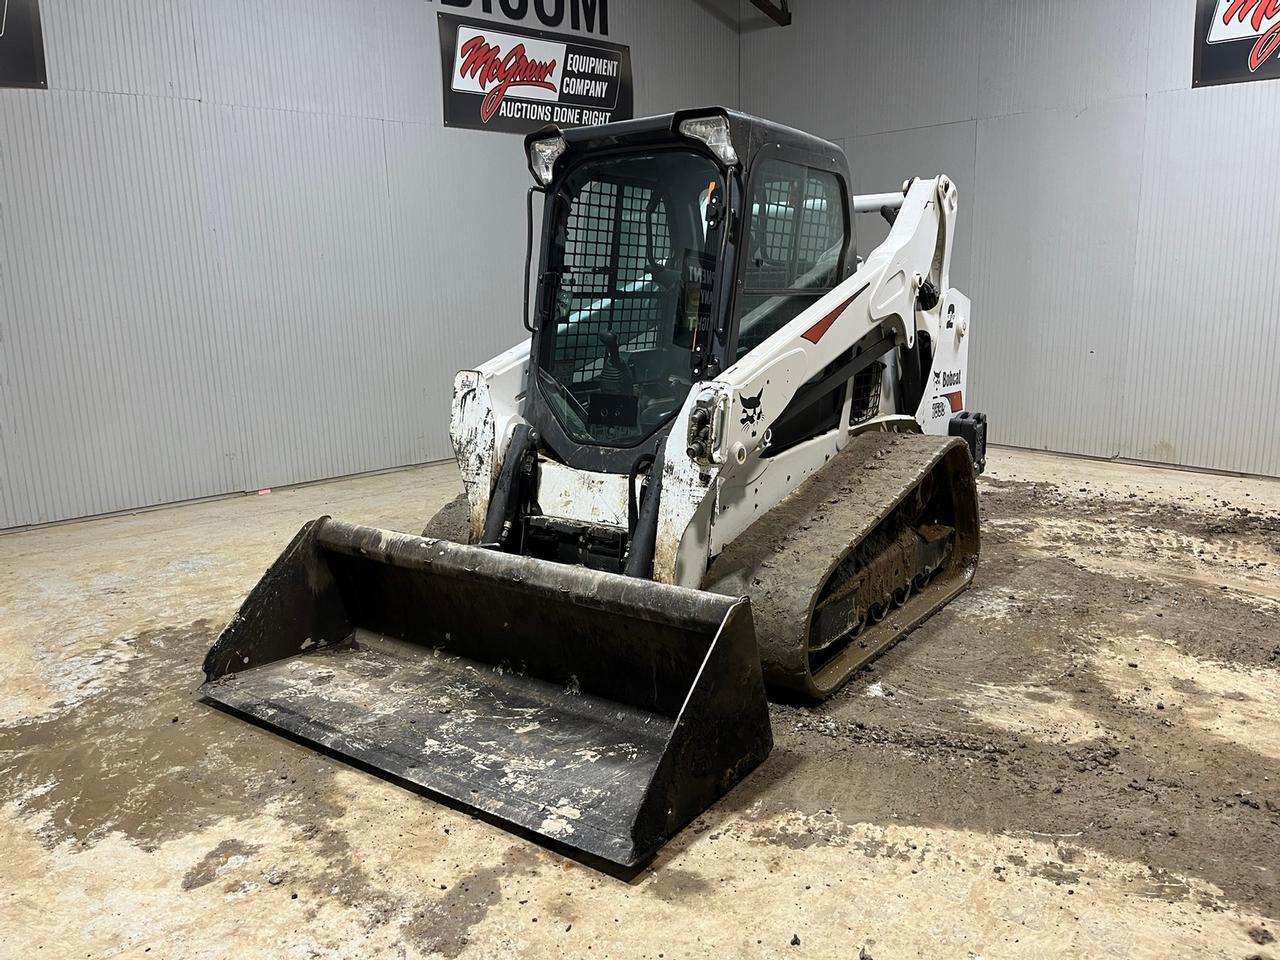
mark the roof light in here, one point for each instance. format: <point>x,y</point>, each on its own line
<point>543,155</point>
<point>714,132</point>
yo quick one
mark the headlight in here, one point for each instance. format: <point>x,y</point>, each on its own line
<point>714,132</point>
<point>543,155</point>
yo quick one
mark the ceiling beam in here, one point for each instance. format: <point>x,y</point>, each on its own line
<point>779,11</point>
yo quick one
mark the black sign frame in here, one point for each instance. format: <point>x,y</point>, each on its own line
<point>21,45</point>
<point>599,73</point>
<point>1229,61</point>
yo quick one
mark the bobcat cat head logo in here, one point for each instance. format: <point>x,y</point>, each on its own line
<point>751,409</point>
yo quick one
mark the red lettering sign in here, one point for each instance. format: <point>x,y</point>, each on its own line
<point>1257,13</point>
<point>496,73</point>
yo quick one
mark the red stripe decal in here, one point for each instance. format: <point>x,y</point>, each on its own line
<point>956,400</point>
<point>814,333</point>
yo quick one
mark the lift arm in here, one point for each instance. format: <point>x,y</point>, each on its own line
<point>880,303</point>
<point>725,424</point>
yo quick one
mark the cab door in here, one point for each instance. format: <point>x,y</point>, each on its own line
<point>796,245</point>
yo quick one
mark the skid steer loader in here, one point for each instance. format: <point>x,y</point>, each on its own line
<point>732,455</point>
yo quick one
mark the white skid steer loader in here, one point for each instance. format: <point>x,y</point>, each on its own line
<point>732,454</point>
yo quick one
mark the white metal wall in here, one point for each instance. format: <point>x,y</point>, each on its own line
<point>1118,231</point>
<point>238,249</point>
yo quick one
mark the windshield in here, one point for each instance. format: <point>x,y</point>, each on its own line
<point>633,265</point>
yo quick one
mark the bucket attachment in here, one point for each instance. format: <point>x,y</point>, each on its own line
<point>599,711</point>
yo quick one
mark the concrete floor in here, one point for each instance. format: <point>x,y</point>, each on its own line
<point>1080,757</point>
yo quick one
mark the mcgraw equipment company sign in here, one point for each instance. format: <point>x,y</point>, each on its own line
<point>1236,40</point>
<point>515,80</point>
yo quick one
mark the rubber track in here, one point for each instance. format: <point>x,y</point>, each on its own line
<point>785,558</point>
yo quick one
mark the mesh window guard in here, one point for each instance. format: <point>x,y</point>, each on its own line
<point>796,235</point>
<point>606,273</point>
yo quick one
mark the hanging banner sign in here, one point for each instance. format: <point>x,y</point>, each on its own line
<point>1236,40</point>
<point>21,45</point>
<point>516,80</point>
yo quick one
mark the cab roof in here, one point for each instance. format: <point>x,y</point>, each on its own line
<point>749,134</point>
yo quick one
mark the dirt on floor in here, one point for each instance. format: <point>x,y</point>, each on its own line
<point>1079,757</point>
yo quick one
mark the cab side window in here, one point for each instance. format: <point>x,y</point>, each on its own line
<point>795,236</point>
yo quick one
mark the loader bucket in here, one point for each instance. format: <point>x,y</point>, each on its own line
<point>600,712</point>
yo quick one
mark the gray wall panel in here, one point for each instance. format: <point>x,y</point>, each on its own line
<point>456,266</point>
<point>1204,383</point>
<point>1122,250</point>
<point>15,499</point>
<point>854,67</point>
<point>121,46</point>
<point>410,75</point>
<point>1170,45</point>
<point>1054,224</point>
<point>113,396</point>
<point>316,56</point>
<point>1033,50</point>
<point>685,52</point>
<point>298,207</point>
<point>240,250</point>
<point>812,88</point>
<point>913,63</point>
<point>880,163</point>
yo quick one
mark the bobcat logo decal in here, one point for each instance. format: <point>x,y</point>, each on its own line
<point>751,410</point>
